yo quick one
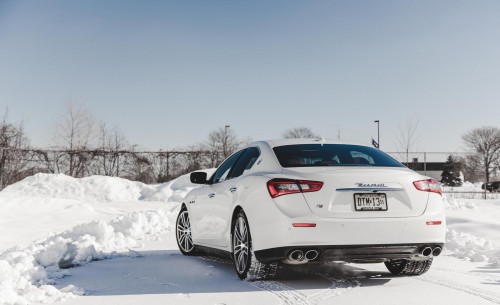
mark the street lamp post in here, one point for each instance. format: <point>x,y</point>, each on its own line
<point>224,144</point>
<point>378,133</point>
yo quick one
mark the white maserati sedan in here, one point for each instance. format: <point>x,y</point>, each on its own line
<point>308,200</point>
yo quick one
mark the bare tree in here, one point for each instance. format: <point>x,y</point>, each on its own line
<point>13,146</point>
<point>485,143</point>
<point>222,143</point>
<point>408,138</point>
<point>74,134</point>
<point>111,146</point>
<point>299,133</point>
<point>471,168</point>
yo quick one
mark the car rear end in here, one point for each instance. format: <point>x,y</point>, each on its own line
<point>349,203</point>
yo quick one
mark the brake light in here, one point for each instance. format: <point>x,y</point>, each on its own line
<point>429,185</point>
<point>279,187</point>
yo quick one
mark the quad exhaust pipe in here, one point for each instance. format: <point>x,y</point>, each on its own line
<point>436,251</point>
<point>428,251</point>
<point>297,257</point>
<point>311,255</point>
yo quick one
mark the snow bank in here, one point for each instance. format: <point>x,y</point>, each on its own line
<point>173,191</point>
<point>93,188</point>
<point>466,187</point>
<point>458,204</point>
<point>468,219</point>
<point>26,274</point>
<point>99,188</point>
<point>471,248</point>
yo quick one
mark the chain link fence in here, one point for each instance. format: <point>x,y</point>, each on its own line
<point>145,166</point>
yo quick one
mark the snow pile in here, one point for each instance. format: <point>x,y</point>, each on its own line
<point>471,248</point>
<point>466,187</point>
<point>54,203</point>
<point>99,188</point>
<point>26,274</point>
<point>93,188</point>
<point>457,204</point>
<point>48,201</point>
<point>173,191</point>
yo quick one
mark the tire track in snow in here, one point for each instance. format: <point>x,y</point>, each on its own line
<point>290,296</point>
<point>484,294</point>
<point>339,286</point>
<point>286,294</point>
<point>484,276</point>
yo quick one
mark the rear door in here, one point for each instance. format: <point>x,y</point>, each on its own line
<point>202,207</point>
<point>228,192</point>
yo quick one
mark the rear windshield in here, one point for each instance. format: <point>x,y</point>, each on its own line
<point>308,155</point>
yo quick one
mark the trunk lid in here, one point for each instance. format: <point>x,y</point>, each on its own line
<point>345,189</point>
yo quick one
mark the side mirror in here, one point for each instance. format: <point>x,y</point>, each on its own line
<point>198,177</point>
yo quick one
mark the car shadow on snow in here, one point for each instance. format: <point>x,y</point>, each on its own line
<point>170,272</point>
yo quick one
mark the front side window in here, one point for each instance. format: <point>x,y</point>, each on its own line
<point>310,155</point>
<point>222,172</point>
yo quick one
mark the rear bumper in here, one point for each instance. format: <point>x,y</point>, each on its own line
<point>276,230</point>
<point>350,253</point>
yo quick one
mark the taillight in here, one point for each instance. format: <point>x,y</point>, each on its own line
<point>279,187</point>
<point>429,185</point>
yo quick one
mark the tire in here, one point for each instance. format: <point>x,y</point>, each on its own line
<point>408,267</point>
<point>245,263</point>
<point>183,233</point>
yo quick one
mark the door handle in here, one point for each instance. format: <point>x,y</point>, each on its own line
<point>233,189</point>
<point>211,195</point>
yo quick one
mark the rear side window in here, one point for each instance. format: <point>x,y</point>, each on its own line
<point>310,155</point>
<point>245,162</point>
<point>222,172</point>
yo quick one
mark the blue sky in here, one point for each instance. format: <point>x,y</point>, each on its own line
<point>169,72</point>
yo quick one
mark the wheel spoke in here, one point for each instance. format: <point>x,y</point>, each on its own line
<point>237,232</point>
<point>241,262</point>
<point>237,249</point>
<point>244,232</point>
<point>186,243</point>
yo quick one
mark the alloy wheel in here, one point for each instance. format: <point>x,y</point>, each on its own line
<point>241,245</point>
<point>183,232</point>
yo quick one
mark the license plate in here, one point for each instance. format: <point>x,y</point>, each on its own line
<point>370,202</point>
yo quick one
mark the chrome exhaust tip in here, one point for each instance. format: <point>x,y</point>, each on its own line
<point>296,255</point>
<point>436,251</point>
<point>427,251</point>
<point>311,255</point>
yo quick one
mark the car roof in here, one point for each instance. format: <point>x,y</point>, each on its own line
<point>282,142</point>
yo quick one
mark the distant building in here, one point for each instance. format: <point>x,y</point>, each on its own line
<point>431,169</point>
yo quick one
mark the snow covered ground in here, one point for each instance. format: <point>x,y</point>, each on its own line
<point>109,240</point>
